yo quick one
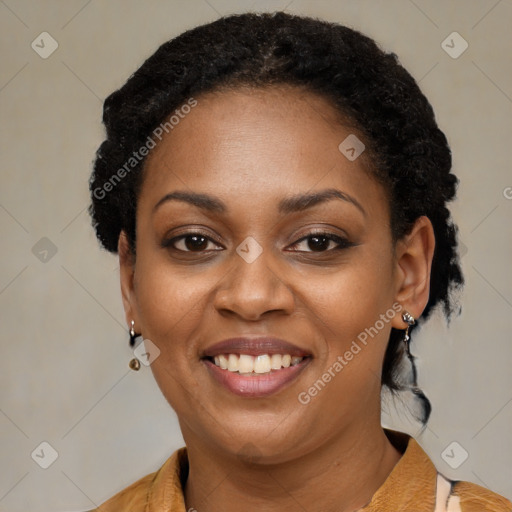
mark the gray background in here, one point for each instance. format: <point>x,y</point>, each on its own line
<point>64,376</point>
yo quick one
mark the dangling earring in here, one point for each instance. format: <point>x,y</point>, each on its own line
<point>134,364</point>
<point>409,320</point>
<point>424,401</point>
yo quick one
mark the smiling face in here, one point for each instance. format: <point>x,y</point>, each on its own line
<point>230,244</point>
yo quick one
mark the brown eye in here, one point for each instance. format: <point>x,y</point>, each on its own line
<point>195,242</point>
<point>321,242</point>
<point>318,243</point>
<point>191,242</point>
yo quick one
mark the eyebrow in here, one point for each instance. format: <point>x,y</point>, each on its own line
<point>303,201</point>
<point>288,205</point>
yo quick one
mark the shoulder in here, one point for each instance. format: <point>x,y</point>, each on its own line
<point>133,497</point>
<point>474,498</point>
<point>161,490</point>
<point>415,481</point>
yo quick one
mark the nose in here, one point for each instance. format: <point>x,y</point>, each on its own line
<point>253,289</point>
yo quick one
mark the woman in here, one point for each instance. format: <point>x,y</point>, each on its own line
<point>276,188</point>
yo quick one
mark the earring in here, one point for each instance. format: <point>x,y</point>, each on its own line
<point>409,320</point>
<point>134,364</point>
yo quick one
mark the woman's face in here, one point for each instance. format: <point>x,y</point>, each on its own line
<point>250,258</point>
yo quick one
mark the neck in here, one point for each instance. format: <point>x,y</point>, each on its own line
<point>340,476</point>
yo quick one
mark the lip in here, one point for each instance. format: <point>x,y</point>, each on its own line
<point>256,386</point>
<point>259,385</point>
<point>255,347</point>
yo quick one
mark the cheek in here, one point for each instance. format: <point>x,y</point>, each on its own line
<point>353,297</point>
<point>346,309</point>
<point>170,302</point>
<point>173,307</point>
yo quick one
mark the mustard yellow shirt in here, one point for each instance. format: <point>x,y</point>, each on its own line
<point>414,485</point>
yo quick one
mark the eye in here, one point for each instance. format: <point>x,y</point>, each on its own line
<point>321,242</point>
<point>191,242</point>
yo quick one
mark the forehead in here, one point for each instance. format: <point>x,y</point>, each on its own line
<point>245,141</point>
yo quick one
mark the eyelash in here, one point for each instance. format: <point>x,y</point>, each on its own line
<point>342,243</point>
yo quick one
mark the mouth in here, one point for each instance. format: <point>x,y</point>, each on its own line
<point>251,366</point>
<point>255,367</point>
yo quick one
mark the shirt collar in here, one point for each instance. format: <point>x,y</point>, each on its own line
<point>411,485</point>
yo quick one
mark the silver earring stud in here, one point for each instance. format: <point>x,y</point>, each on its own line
<point>409,320</point>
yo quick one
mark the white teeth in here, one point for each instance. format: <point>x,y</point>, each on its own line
<point>233,363</point>
<point>246,364</point>
<point>262,364</point>
<point>275,361</point>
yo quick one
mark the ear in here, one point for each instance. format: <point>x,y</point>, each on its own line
<point>127,274</point>
<point>413,264</point>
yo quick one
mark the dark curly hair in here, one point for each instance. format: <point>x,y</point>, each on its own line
<point>409,154</point>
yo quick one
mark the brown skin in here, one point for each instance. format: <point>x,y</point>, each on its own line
<point>250,149</point>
